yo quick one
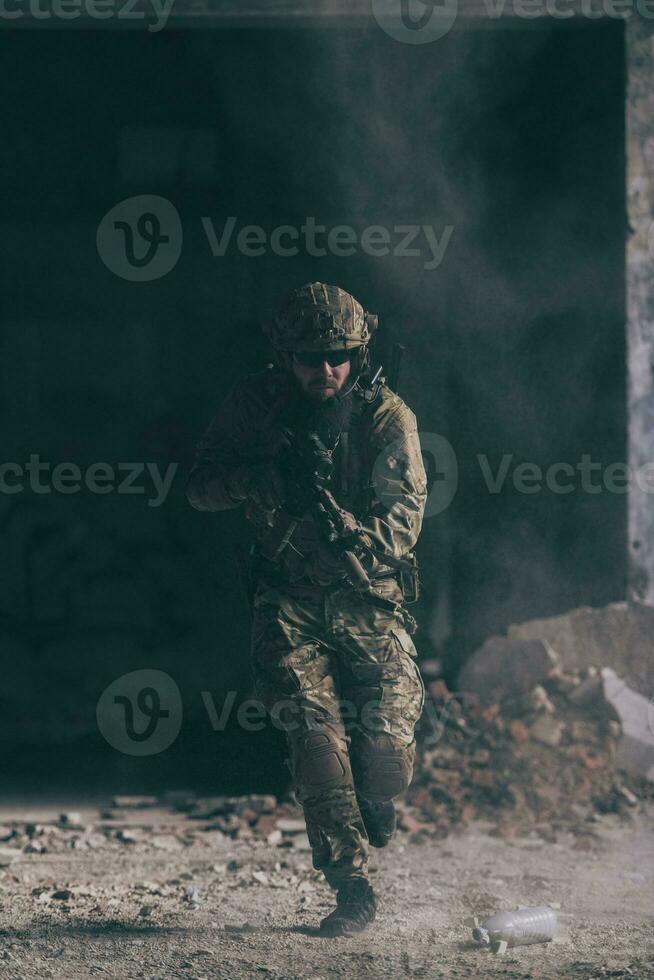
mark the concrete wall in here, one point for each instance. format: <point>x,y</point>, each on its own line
<point>640,285</point>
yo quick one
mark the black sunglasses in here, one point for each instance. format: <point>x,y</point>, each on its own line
<point>314,359</point>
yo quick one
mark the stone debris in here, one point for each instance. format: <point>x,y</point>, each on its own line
<point>537,739</point>
<point>588,691</point>
<point>547,730</point>
<point>504,666</point>
<point>539,701</point>
<point>257,819</point>
<point>166,842</point>
<point>618,636</point>
<point>7,855</point>
<point>70,819</point>
<point>628,796</point>
<point>127,836</point>
<point>249,807</point>
<point>192,896</point>
<point>636,716</point>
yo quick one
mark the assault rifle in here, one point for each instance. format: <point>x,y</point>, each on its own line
<point>310,463</point>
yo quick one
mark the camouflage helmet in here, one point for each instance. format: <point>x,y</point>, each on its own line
<point>318,317</point>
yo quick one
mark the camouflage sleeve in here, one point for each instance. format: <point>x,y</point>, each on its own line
<point>218,455</point>
<point>399,484</point>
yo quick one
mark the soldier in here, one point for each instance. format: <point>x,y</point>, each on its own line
<point>329,469</point>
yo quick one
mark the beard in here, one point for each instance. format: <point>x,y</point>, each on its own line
<point>327,417</point>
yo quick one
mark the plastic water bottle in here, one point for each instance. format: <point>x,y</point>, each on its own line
<point>521,927</point>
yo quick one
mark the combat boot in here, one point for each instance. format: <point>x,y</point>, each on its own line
<point>355,910</point>
<point>379,819</point>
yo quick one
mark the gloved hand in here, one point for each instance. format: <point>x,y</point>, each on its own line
<point>348,522</point>
<point>261,483</point>
<point>326,564</point>
<point>343,521</point>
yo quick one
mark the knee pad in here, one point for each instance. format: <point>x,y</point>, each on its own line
<point>321,763</point>
<point>383,767</point>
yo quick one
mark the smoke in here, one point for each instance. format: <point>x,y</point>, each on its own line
<point>515,341</point>
<point>505,137</point>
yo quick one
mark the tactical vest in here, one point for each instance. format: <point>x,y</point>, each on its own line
<point>351,485</point>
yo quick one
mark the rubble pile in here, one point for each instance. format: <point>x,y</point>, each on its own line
<point>530,745</point>
<point>167,823</point>
<point>550,728</point>
<point>254,816</point>
<point>192,865</point>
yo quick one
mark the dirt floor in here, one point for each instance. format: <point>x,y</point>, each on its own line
<point>154,897</point>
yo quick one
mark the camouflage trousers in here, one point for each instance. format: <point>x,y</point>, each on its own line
<point>338,674</point>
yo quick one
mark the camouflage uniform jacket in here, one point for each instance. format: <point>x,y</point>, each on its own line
<point>378,470</point>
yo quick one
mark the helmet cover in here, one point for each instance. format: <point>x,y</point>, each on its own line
<point>320,317</point>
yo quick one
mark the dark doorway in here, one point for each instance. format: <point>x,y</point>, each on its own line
<point>512,138</point>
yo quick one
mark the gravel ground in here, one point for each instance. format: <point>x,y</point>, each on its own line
<point>207,906</point>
